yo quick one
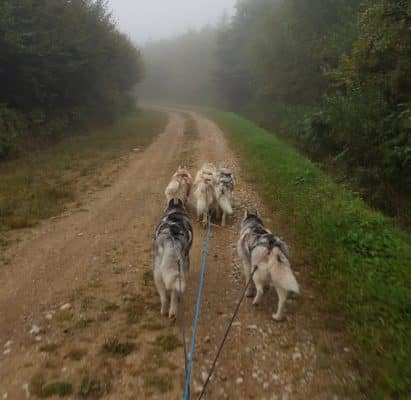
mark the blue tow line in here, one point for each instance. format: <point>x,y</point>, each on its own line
<point>197,313</point>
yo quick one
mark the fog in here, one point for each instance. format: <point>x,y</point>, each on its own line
<point>145,20</point>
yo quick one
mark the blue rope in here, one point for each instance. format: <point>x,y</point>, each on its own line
<point>197,313</point>
<point>181,302</point>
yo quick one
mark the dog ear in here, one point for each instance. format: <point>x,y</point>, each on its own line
<point>180,203</point>
<point>257,213</point>
<point>246,213</point>
<point>171,203</point>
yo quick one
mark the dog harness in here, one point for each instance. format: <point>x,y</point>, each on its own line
<point>267,240</point>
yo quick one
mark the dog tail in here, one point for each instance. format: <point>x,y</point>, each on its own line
<point>172,190</point>
<point>172,280</point>
<point>281,271</point>
<point>225,205</point>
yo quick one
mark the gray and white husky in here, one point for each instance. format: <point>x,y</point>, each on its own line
<point>172,244</point>
<point>224,188</point>
<point>258,247</point>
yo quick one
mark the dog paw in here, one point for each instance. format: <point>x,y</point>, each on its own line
<point>249,293</point>
<point>277,317</point>
<point>172,314</point>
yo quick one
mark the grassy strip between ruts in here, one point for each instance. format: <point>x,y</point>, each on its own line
<point>39,184</point>
<point>362,261</point>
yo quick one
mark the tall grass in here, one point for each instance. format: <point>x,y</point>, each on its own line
<point>39,184</point>
<point>361,259</point>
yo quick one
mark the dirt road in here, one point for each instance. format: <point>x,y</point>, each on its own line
<point>79,313</point>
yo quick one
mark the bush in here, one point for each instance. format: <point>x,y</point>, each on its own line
<point>12,125</point>
<point>61,62</point>
<point>367,139</point>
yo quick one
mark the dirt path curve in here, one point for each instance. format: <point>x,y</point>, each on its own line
<point>78,307</point>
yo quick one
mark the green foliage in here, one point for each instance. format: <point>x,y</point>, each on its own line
<point>12,124</point>
<point>360,258</point>
<point>366,124</point>
<point>60,61</point>
<point>347,66</point>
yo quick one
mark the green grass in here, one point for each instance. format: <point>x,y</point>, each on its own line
<point>362,261</point>
<point>147,279</point>
<point>76,354</point>
<point>91,387</point>
<point>83,323</point>
<point>152,326</point>
<point>119,349</point>
<point>49,348</point>
<point>39,388</point>
<point>167,343</point>
<point>111,307</point>
<point>135,310</point>
<point>162,384</point>
<point>40,184</point>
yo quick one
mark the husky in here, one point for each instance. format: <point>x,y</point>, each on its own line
<point>259,248</point>
<point>172,244</point>
<point>223,189</point>
<point>203,193</point>
<point>179,187</point>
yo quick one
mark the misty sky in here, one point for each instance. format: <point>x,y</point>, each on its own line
<point>157,19</point>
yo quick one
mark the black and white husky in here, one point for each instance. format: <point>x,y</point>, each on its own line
<point>172,244</point>
<point>258,247</point>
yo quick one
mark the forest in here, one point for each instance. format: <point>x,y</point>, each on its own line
<point>331,77</point>
<point>62,63</point>
<point>306,102</point>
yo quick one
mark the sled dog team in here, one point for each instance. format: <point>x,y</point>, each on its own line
<point>212,192</point>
